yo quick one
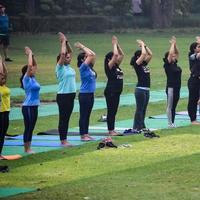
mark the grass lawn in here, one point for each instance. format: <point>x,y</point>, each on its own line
<point>166,168</point>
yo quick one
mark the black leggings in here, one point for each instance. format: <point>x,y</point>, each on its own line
<point>86,102</point>
<point>4,124</point>
<point>194,88</point>
<point>30,114</point>
<point>65,105</point>
<point>112,101</point>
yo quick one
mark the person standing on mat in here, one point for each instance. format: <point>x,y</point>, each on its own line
<point>173,73</point>
<point>85,63</point>
<point>4,105</point>
<point>194,81</point>
<point>66,88</point>
<point>140,62</point>
<point>32,100</point>
<point>114,85</point>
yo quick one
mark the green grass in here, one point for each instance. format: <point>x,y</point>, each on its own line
<point>166,168</point>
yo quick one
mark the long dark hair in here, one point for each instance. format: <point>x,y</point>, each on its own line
<point>135,57</point>
<point>80,59</point>
<point>24,70</point>
<point>193,46</point>
<point>108,57</point>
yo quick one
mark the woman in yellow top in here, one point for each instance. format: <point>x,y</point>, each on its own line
<point>4,105</point>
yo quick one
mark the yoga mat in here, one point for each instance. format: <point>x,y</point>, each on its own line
<point>53,88</point>
<point>12,157</point>
<point>74,132</point>
<point>48,143</point>
<point>52,138</point>
<point>152,124</point>
<point>10,191</point>
<point>99,103</point>
<point>186,113</point>
<point>10,150</point>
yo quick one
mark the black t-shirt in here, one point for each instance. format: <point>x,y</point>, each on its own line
<point>173,72</point>
<point>143,74</point>
<point>115,79</point>
<point>194,65</point>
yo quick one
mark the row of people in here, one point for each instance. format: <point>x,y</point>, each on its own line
<point>85,62</point>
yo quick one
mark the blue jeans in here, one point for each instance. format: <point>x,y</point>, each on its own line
<point>142,100</point>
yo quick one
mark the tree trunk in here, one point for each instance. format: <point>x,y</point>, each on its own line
<point>30,7</point>
<point>162,13</point>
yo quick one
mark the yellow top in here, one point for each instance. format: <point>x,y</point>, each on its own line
<point>4,98</point>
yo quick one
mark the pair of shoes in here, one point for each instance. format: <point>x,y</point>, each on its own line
<point>150,134</point>
<point>106,142</point>
<point>8,60</point>
<point>4,169</point>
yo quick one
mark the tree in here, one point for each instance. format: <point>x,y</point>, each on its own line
<point>164,11</point>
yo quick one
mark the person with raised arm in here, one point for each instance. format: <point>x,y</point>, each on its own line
<point>140,62</point>
<point>66,88</point>
<point>114,84</point>
<point>194,81</point>
<point>32,100</point>
<point>85,63</point>
<point>173,86</point>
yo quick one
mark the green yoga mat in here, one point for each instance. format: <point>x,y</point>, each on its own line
<point>150,123</point>
<point>100,103</point>
<point>10,191</point>
<point>11,150</point>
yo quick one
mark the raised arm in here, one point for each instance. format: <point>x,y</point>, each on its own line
<point>63,48</point>
<point>143,52</point>
<point>173,50</point>
<point>149,54</point>
<point>31,60</point>
<point>118,53</point>
<point>90,55</point>
<point>3,69</point>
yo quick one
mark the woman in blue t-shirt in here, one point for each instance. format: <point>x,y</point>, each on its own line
<point>85,63</point>
<point>114,85</point>
<point>32,100</point>
<point>66,88</point>
<point>173,73</point>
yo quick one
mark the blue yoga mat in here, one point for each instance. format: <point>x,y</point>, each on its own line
<point>52,138</point>
<point>47,143</point>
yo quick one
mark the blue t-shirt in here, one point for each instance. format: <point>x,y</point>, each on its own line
<point>88,79</point>
<point>32,88</point>
<point>4,24</point>
<point>66,79</point>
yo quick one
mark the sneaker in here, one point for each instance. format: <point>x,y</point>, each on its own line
<point>8,60</point>
<point>4,169</point>
<point>101,145</point>
<point>110,144</point>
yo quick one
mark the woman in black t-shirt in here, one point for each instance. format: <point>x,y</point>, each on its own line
<point>140,62</point>
<point>194,81</point>
<point>114,85</point>
<point>173,73</point>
